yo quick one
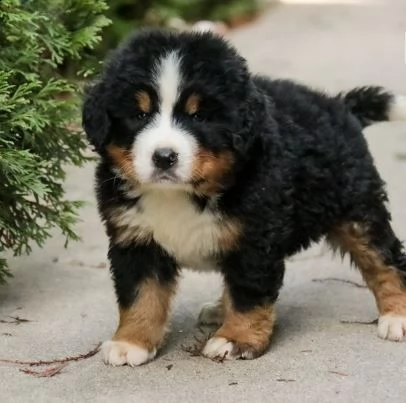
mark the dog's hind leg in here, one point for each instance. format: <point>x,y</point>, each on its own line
<point>212,313</point>
<point>378,253</point>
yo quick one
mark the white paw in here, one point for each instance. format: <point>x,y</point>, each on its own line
<point>120,353</point>
<point>211,314</point>
<point>219,347</point>
<point>392,327</point>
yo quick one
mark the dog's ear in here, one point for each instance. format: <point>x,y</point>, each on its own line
<point>251,116</point>
<point>95,119</point>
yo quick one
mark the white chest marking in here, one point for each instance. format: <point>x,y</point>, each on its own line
<point>172,219</point>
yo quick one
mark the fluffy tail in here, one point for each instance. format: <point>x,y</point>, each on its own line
<point>374,104</point>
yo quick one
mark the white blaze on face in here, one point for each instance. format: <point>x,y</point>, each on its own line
<point>162,132</point>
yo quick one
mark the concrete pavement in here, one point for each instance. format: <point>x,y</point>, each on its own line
<point>68,295</point>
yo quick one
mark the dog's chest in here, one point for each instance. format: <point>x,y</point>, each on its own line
<point>190,234</point>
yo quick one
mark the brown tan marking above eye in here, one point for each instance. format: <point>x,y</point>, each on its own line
<point>192,104</point>
<point>143,101</point>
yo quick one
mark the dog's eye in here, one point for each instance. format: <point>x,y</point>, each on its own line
<point>196,116</point>
<point>142,115</point>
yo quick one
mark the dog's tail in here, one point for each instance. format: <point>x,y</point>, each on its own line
<point>374,104</point>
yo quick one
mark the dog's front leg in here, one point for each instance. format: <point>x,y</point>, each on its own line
<point>145,280</point>
<point>251,289</point>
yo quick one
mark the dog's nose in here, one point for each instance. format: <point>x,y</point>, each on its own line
<point>164,158</point>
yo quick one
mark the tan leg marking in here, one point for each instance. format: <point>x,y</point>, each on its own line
<point>142,327</point>
<point>242,335</point>
<point>383,280</point>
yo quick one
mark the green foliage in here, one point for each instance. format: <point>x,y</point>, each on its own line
<point>38,111</point>
<point>130,14</point>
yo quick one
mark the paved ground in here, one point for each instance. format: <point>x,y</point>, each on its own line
<point>314,356</point>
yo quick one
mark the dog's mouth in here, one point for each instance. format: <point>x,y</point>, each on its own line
<point>165,177</point>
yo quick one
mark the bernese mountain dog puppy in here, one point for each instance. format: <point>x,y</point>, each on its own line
<point>206,166</point>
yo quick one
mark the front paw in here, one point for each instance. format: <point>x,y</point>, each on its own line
<point>223,348</point>
<point>118,353</point>
<point>392,327</point>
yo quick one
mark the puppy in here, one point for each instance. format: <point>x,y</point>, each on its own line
<point>206,166</point>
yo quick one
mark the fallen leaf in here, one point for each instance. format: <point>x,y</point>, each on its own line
<point>169,367</point>
<point>233,383</point>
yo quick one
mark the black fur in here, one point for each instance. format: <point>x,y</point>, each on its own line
<point>368,104</point>
<point>302,164</point>
<point>133,264</point>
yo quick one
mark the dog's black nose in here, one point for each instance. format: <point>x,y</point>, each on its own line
<point>164,158</point>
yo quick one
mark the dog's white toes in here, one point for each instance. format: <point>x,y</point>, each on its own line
<point>392,327</point>
<point>219,347</point>
<point>120,353</point>
<point>211,314</point>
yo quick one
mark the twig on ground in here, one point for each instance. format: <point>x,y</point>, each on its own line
<point>199,342</point>
<point>78,357</point>
<point>285,380</point>
<point>201,330</point>
<point>15,320</point>
<point>220,359</point>
<point>358,322</point>
<point>233,383</point>
<point>338,373</point>
<point>341,280</point>
<point>45,373</point>
<point>196,349</point>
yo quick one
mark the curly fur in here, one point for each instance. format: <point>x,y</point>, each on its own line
<point>299,168</point>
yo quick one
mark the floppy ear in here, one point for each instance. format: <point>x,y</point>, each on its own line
<point>251,117</point>
<point>95,120</point>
